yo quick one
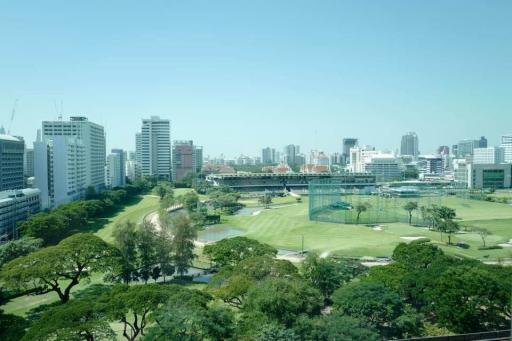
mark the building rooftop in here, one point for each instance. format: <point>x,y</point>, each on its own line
<point>8,195</point>
<point>9,138</point>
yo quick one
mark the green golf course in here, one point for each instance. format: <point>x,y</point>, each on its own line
<point>286,223</point>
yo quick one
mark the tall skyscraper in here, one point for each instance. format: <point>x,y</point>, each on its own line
<point>186,158</point>
<point>92,137</point>
<point>153,148</point>
<point>348,143</point>
<point>12,150</point>
<point>60,169</point>
<point>292,155</point>
<point>268,155</point>
<point>409,145</point>
<point>115,173</point>
<point>29,162</point>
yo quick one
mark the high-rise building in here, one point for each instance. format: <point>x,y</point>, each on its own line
<point>29,162</point>
<point>60,169</point>
<point>489,155</point>
<point>186,158</point>
<point>482,143</point>
<point>291,152</point>
<point>92,137</point>
<point>506,144</point>
<point>465,147</point>
<point>409,145</point>
<point>490,176</point>
<point>115,173</point>
<point>268,156</point>
<point>12,150</point>
<point>153,148</point>
<point>348,143</point>
<point>431,164</point>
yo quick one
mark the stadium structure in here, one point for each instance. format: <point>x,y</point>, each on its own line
<point>260,182</point>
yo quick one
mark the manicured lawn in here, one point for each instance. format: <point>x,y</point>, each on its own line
<point>135,213</point>
<point>283,227</point>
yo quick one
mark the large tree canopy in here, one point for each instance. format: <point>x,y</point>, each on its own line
<point>59,268</point>
<point>231,251</point>
<point>76,320</point>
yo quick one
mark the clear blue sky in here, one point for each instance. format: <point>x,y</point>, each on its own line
<point>236,76</point>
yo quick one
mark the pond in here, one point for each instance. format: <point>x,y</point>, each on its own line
<point>216,233</point>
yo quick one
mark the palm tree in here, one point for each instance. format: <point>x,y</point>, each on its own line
<point>360,208</point>
<point>409,207</point>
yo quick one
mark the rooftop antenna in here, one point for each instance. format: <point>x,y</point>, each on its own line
<point>13,113</point>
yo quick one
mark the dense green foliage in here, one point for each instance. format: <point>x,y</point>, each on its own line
<point>76,216</point>
<point>17,248</point>
<point>61,267</point>
<point>233,250</point>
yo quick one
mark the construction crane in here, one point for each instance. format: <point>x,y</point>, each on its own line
<point>13,113</point>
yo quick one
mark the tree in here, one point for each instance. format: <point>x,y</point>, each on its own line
<point>163,189</point>
<point>360,208</point>
<point>449,227</point>
<point>13,327</point>
<point>327,275</point>
<point>183,243</point>
<point>76,320</point>
<point>232,283</point>
<point>231,251</point>
<point>427,216</point>
<point>283,300</point>
<point>133,305</point>
<point>163,248</point>
<point>339,327</point>
<point>379,306</point>
<point>59,268</point>
<point>146,250</point>
<point>274,332</point>
<point>409,207</point>
<point>471,298</point>
<point>49,227</point>
<point>265,200</point>
<point>189,200</point>
<point>125,239</point>
<point>482,232</point>
<point>185,316</point>
<point>17,248</point>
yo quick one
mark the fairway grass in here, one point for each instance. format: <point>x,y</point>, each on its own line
<point>284,227</point>
<point>134,213</point>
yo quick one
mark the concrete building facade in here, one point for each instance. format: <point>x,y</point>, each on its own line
<point>489,155</point>
<point>60,170</point>
<point>15,206</point>
<point>153,148</point>
<point>92,136</point>
<point>12,150</point>
<point>490,176</point>
<point>409,145</point>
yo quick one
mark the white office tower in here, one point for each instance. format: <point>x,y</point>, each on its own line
<point>92,136</point>
<point>488,156</point>
<point>153,148</point>
<point>359,157</point>
<point>115,169</point>
<point>60,165</point>
<point>506,144</point>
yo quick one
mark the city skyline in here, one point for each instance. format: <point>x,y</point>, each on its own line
<point>265,74</point>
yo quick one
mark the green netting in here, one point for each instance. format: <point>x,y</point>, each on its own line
<point>332,201</point>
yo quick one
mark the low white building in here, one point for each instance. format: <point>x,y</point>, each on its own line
<point>488,156</point>
<point>17,205</point>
